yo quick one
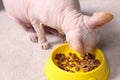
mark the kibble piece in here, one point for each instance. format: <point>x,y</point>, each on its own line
<point>86,69</point>
<point>58,63</point>
<point>66,69</point>
<point>92,61</point>
<point>71,65</point>
<point>62,67</point>
<point>89,60</point>
<point>78,62</point>
<point>74,56</point>
<point>71,71</point>
<point>77,68</point>
<point>57,57</point>
<point>66,60</point>
<point>97,61</point>
<point>91,56</point>
<point>70,54</point>
<point>63,56</point>
<point>86,58</point>
<point>71,61</point>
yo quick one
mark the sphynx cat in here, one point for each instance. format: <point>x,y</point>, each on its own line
<point>65,16</point>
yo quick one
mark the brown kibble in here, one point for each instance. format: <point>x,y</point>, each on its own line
<point>84,61</point>
<point>97,61</point>
<point>73,61</point>
<point>71,65</point>
<point>91,56</point>
<point>89,60</point>
<point>58,56</point>
<point>66,69</point>
<point>78,63</point>
<point>66,60</point>
<point>58,63</point>
<point>64,65</point>
<point>86,69</point>
<point>82,65</point>
<point>70,54</point>
<point>86,58</point>
<point>71,71</point>
<point>77,59</point>
<point>92,61</point>
<point>74,56</point>
<point>77,68</point>
<point>63,56</point>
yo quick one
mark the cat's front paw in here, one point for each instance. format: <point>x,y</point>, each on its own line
<point>33,37</point>
<point>45,45</point>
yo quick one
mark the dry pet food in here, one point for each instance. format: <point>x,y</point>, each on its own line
<point>72,63</point>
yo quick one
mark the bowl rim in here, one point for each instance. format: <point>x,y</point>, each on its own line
<point>77,73</point>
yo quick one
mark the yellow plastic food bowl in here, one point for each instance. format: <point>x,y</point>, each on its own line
<point>53,72</point>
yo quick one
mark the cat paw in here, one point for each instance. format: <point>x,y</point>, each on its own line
<point>45,45</point>
<point>33,37</point>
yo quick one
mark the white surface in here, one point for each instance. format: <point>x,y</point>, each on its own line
<point>21,59</point>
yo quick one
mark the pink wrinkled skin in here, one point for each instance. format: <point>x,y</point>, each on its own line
<point>81,30</point>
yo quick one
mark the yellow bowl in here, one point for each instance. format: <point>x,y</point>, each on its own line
<point>53,72</point>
